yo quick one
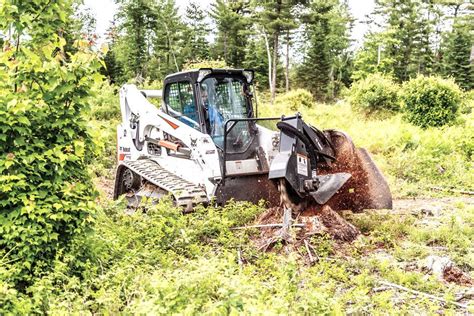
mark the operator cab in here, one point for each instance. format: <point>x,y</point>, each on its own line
<point>206,99</point>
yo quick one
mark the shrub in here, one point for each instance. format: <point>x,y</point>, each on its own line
<point>431,101</point>
<point>376,94</point>
<point>105,105</point>
<point>295,100</point>
<point>468,106</point>
<point>102,120</point>
<point>46,192</point>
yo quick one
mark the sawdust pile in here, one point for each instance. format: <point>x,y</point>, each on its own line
<point>301,227</point>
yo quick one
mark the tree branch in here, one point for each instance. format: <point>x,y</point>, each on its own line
<point>399,287</point>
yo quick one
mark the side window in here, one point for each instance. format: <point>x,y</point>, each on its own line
<point>173,97</point>
<point>180,101</point>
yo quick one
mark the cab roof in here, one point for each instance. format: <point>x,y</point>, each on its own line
<point>193,75</point>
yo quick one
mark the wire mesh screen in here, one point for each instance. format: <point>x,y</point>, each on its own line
<point>173,97</point>
<point>181,100</point>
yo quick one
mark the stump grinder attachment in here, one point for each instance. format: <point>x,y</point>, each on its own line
<point>204,144</point>
<point>315,168</point>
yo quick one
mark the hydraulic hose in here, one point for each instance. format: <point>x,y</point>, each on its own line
<point>289,129</point>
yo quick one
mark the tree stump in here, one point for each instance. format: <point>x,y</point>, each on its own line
<point>316,221</point>
<point>333,224</point>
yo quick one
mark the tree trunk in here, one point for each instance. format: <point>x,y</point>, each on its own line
<point>276,35</point>
<point>456,9</point>
<point>269,56</point>
<point>287,68</point>
<point>170,48</point>
<point>275,62</point>
<point>332,85</point>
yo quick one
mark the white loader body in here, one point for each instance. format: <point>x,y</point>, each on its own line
<point>144,125</point>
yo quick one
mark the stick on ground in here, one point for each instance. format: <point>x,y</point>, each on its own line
<point>423,294</point>
<point>466,192</point>
<point>311,259</point>
<point>265,226</point>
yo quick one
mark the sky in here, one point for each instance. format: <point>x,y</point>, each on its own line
<point>104,11</point>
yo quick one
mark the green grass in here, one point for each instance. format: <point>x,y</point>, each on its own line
<point>163,262</point>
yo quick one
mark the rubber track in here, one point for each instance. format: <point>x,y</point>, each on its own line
<point>183,191</point>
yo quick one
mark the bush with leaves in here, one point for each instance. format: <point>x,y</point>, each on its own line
<point>375,94</point>
<point>103,117</point>
<point>431,101</point>
<point>296,100</point>
<point>46,194</point>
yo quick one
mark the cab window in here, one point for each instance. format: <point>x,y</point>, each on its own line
<point>180,103</point>
<point>224,98</point>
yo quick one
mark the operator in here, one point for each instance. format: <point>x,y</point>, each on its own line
<point>216,120</point>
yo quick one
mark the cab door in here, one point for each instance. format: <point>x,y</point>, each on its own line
<point>181,103</point>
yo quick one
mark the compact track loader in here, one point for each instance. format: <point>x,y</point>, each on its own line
<point>204,144</point>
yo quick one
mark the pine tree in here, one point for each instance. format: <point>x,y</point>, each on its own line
<point>168,40</point>
<point>233,24</point>
<point>277,18</point>
<point>113,69</point>
<point>456,54</point>
<point>196,46</point>
<point>327,37</point>
<point>134,23</point>
<point>256,59</point>
<point>407,50</point>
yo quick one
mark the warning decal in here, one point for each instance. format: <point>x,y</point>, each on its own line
<point>302,164</point>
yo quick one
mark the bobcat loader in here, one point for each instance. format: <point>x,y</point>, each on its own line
<point>205,144</point>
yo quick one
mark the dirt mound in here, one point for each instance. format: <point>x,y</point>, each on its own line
<point>366,188</point>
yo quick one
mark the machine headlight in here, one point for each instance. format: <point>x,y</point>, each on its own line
<point>249,74</point>
<point>203,72</point>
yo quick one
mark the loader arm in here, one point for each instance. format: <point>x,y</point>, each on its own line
<point>181,149</point>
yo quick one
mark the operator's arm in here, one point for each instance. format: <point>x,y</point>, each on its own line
<point>216,121</point>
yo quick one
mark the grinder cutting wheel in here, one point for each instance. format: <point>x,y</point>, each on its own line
<point>204,145</point>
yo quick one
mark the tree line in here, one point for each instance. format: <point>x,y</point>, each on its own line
<point>293,43</point>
